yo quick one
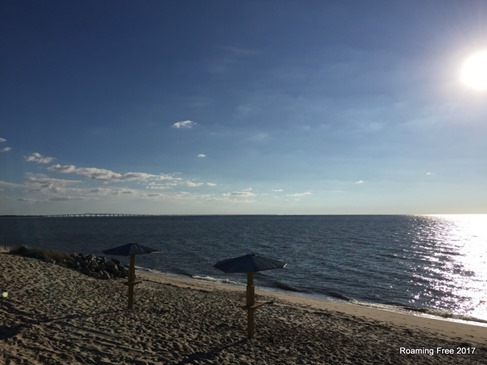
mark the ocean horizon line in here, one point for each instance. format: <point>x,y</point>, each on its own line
<point>106,215</point>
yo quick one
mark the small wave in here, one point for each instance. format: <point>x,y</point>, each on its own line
<point>341,296</point>
<point>405,309</point>
<point>471,319</point>
<point>215,280</point>
<point>443,313</point>
<point>141,268</point>
<point>181,272</point>
<point>288,287</point>
<point>449,252</point>
<point>390,255</point>
<point>159,272</point>
<point>434,312</point>
<point>335,295</point>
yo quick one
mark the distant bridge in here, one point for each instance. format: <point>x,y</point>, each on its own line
<point>93,215</point>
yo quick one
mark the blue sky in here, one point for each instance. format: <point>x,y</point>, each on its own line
<point>219,107</point>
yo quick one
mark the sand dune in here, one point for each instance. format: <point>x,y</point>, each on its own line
<point>55,315</point>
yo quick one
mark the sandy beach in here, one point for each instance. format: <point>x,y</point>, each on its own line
<point>55,315</point>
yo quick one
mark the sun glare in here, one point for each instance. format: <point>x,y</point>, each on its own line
<point>474,71</point>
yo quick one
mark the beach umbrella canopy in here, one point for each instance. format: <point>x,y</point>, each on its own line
<point>249,264</point>
<point>131,250</point>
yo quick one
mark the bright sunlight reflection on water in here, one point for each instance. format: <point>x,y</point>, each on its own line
<point>465,237</point>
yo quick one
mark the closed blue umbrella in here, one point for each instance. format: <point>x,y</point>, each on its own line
<point>131,250</point>
<point>249,264</point>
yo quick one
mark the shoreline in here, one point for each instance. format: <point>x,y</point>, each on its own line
<point>445,327</point>
<point>54,315</point>
<point>307,297</point>
<point>398,308</point>
<point>294,297</point>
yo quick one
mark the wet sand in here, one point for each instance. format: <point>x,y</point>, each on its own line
<point>55,315</point>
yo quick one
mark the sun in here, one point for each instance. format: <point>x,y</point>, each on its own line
<point>474,71</point>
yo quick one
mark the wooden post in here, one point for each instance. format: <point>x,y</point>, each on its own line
<point>250,303</point>
<point>131,282</point>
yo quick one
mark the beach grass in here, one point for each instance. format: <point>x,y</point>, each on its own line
<point>54,256</point>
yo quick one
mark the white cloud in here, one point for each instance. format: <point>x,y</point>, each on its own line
<point>201,155</point>
<point>65,198</point>
<point>90,172</point>
<point>113,191</point>
<point>127,191</point>
<point>4,149</point>
<point>100,191</point>
<point>156,186</point>
<point>41,187</point>
<point>155,195</point>
<point>95,184</point>
<point>300,195</point>
<point>240,194</point>
<point>245,195</point>
<point>44,182</point>
<point>179,182</point>
<point>278,190</point>
<point>140,176</point>
<point>193,184</point>
<point>105,175</point>
<point>61,190</point>
<point>9,185</point>
<point>359,182</point>
<point>187,124</point>
<point>37,157</point>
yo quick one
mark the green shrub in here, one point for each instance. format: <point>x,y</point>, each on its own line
<point>58,257</point>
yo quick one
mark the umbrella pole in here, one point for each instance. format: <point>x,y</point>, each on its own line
<point>131,282</point>
<point>250,303</point>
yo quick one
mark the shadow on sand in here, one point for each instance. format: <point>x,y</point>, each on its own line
<point>8,332</point>
<point>200,355</point>
<point>26,319</point>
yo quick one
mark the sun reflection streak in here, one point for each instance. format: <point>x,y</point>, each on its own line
<point>466,239</point>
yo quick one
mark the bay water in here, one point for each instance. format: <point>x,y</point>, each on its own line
<point>434,264</point>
